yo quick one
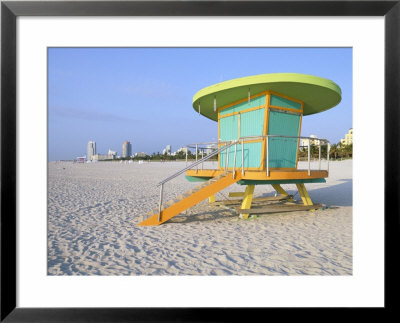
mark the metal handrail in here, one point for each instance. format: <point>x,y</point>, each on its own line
<point>219,142</point>
<point>282,136</point>
<point>198,162</point>
<point>252,138</point>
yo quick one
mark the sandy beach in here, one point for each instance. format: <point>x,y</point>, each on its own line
<point>93,211</point>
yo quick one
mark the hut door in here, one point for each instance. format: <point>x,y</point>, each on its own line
<point>282,150</point>
<point>246,124</point>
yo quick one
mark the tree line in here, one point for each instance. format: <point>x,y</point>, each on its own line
<point>337,151</point>
<point>165,157</point>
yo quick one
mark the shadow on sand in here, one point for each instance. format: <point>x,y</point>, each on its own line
<point>335,195</point>
<point>208,215</point>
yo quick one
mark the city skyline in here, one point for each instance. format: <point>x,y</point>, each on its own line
<point>145,94</point>
<point>126,151</point>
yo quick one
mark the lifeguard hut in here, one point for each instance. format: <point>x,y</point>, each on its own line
<point>259,134</point>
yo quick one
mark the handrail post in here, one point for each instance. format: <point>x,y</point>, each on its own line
<point>309,155</point>
<point>202,156</point>
<point>319,154</point>
<point>227,157</point>
<point>242,157</point>
<point>267,157</point>
<point>329,148</point>
<point>160,205</point>
<point>234,161</point>
<point>196,156</point>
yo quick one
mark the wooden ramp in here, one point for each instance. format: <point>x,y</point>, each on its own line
<point>191,198</point>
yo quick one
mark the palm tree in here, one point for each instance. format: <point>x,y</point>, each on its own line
<point>348,150</point>
<point>334,150</point>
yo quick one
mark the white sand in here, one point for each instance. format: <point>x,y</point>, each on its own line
<point>93,210</point>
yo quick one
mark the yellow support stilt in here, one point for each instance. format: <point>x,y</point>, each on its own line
<point>211,199</point>
<point>304,194</point>
<point>248,198</point>
<point>279,189</point>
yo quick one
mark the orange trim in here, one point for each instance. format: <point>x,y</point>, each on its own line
<point>283,168</point>
<point>298,143</point>
<point>263,165</point>
<point>286,97</point>
<point>240,101</point>
<point>287,109</point>
<point>266,126</point>
<point>241,111</point>
<point>256,169</point>
<point>275,174</point>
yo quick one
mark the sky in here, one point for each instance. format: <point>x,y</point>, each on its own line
<point>144,95</point>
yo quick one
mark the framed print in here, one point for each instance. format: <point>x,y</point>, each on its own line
<point>55,53</point>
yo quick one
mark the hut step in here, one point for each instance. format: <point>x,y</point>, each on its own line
<point>189,199</point>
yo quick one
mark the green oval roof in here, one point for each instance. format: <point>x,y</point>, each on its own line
<point>317,93</point>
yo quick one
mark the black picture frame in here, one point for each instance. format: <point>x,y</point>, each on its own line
<point>10,10</point>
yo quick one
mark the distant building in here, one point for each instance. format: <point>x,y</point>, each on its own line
<point>348,138</point>
<point>183,149</point>
<point>126,149</point>
<point>112,154</point>
<point>91,150</point>
<point>210,148</point>
<point>167,150</point>
<point>313,142</point>
<point>141,155</point>
<point>98,157</point>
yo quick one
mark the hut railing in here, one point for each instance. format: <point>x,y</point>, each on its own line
<point>226,145</point>
<point>201,147</point>
<point>320,141</point>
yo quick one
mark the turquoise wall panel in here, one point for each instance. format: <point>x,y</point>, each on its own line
<point>254,153</point>
<point>285,103</point>
<point>283,151</point>
<point>285,124</point>
<point>228,128</point>
<point>251,154</point>
<point>255,102</point>
<point>252,123</point>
